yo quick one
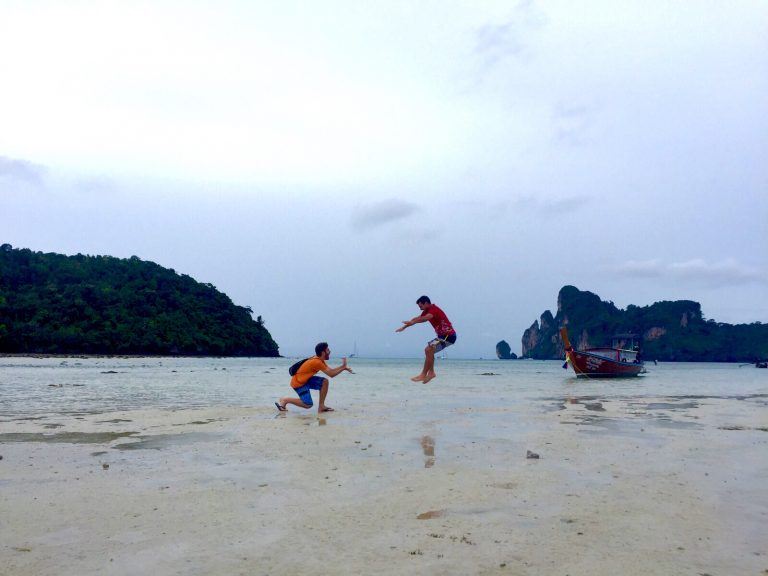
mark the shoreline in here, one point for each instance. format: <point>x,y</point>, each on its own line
<point>44,356</point>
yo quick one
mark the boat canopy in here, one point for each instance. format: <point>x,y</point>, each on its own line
<point>626,341</point>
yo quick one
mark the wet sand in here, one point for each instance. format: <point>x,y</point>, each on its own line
<point>659,486</point>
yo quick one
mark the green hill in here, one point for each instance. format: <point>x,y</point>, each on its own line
<point>57,304</point>
<point>671,331</point>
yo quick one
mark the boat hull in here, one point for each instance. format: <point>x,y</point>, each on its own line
<point>597,366</point>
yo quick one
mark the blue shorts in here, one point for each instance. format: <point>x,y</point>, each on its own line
<point>314,383</point>
<point>442,342</point>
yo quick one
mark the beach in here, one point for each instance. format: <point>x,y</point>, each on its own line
<point>415,480</point>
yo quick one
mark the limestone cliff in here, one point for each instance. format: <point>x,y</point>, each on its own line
<point>674,331</point>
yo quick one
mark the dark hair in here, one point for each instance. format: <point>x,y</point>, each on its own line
<point>424,300</point>
<point>320,348</point>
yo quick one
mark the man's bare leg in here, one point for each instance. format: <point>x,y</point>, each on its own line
<point>420,377</point>
<point>321,407</point>
<point>295,401</point>
<point>428,372</point>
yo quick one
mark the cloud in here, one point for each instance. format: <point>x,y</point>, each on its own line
<point>21,171</point>
<point>728,271</point>
<point>495,42</point>
<point>571,122</point>
<point>550,205</point>
<point>378,214</point>
<point>641,268</point>
<point>725,273</point>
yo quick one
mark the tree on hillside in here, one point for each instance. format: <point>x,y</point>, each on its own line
<point>51,303</point>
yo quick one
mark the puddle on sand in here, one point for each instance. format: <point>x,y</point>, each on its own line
<point>25,419</point>
<point>202,422</point>
<point>113,421</point>
<point>632,425</point>
<point>589,402</point>
<point>66,437</point>
<point>671,406</point>
<point>165,440</point>
<point>430,515</point>
<point>505,485</point>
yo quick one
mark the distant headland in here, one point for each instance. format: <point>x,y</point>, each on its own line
<point>57,304</point>
<point>670,331</point>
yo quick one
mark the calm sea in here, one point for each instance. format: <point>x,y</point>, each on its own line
<point>49,386</point>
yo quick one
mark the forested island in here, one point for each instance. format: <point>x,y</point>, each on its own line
<point>670,330</point>
<point>57,304</point>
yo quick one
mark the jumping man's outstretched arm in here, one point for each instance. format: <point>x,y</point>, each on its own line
<point>415,320</point>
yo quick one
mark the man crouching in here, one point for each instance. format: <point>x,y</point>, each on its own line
<point>305,379</point>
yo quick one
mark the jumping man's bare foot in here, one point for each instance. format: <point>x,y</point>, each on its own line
<point>419,378</point>
<point>428,377</point>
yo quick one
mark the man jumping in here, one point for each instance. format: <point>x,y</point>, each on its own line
<point>446,335</point>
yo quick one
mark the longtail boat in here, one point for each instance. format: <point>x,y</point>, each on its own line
<point>621,359</point>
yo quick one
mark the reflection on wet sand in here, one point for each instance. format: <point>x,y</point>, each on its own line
<point>428,445</point>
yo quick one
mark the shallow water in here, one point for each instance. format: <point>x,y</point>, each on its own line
<point>35,387</point>
<point>471,402</point>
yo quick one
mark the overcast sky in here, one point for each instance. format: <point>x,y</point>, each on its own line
<point>328,162</point>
